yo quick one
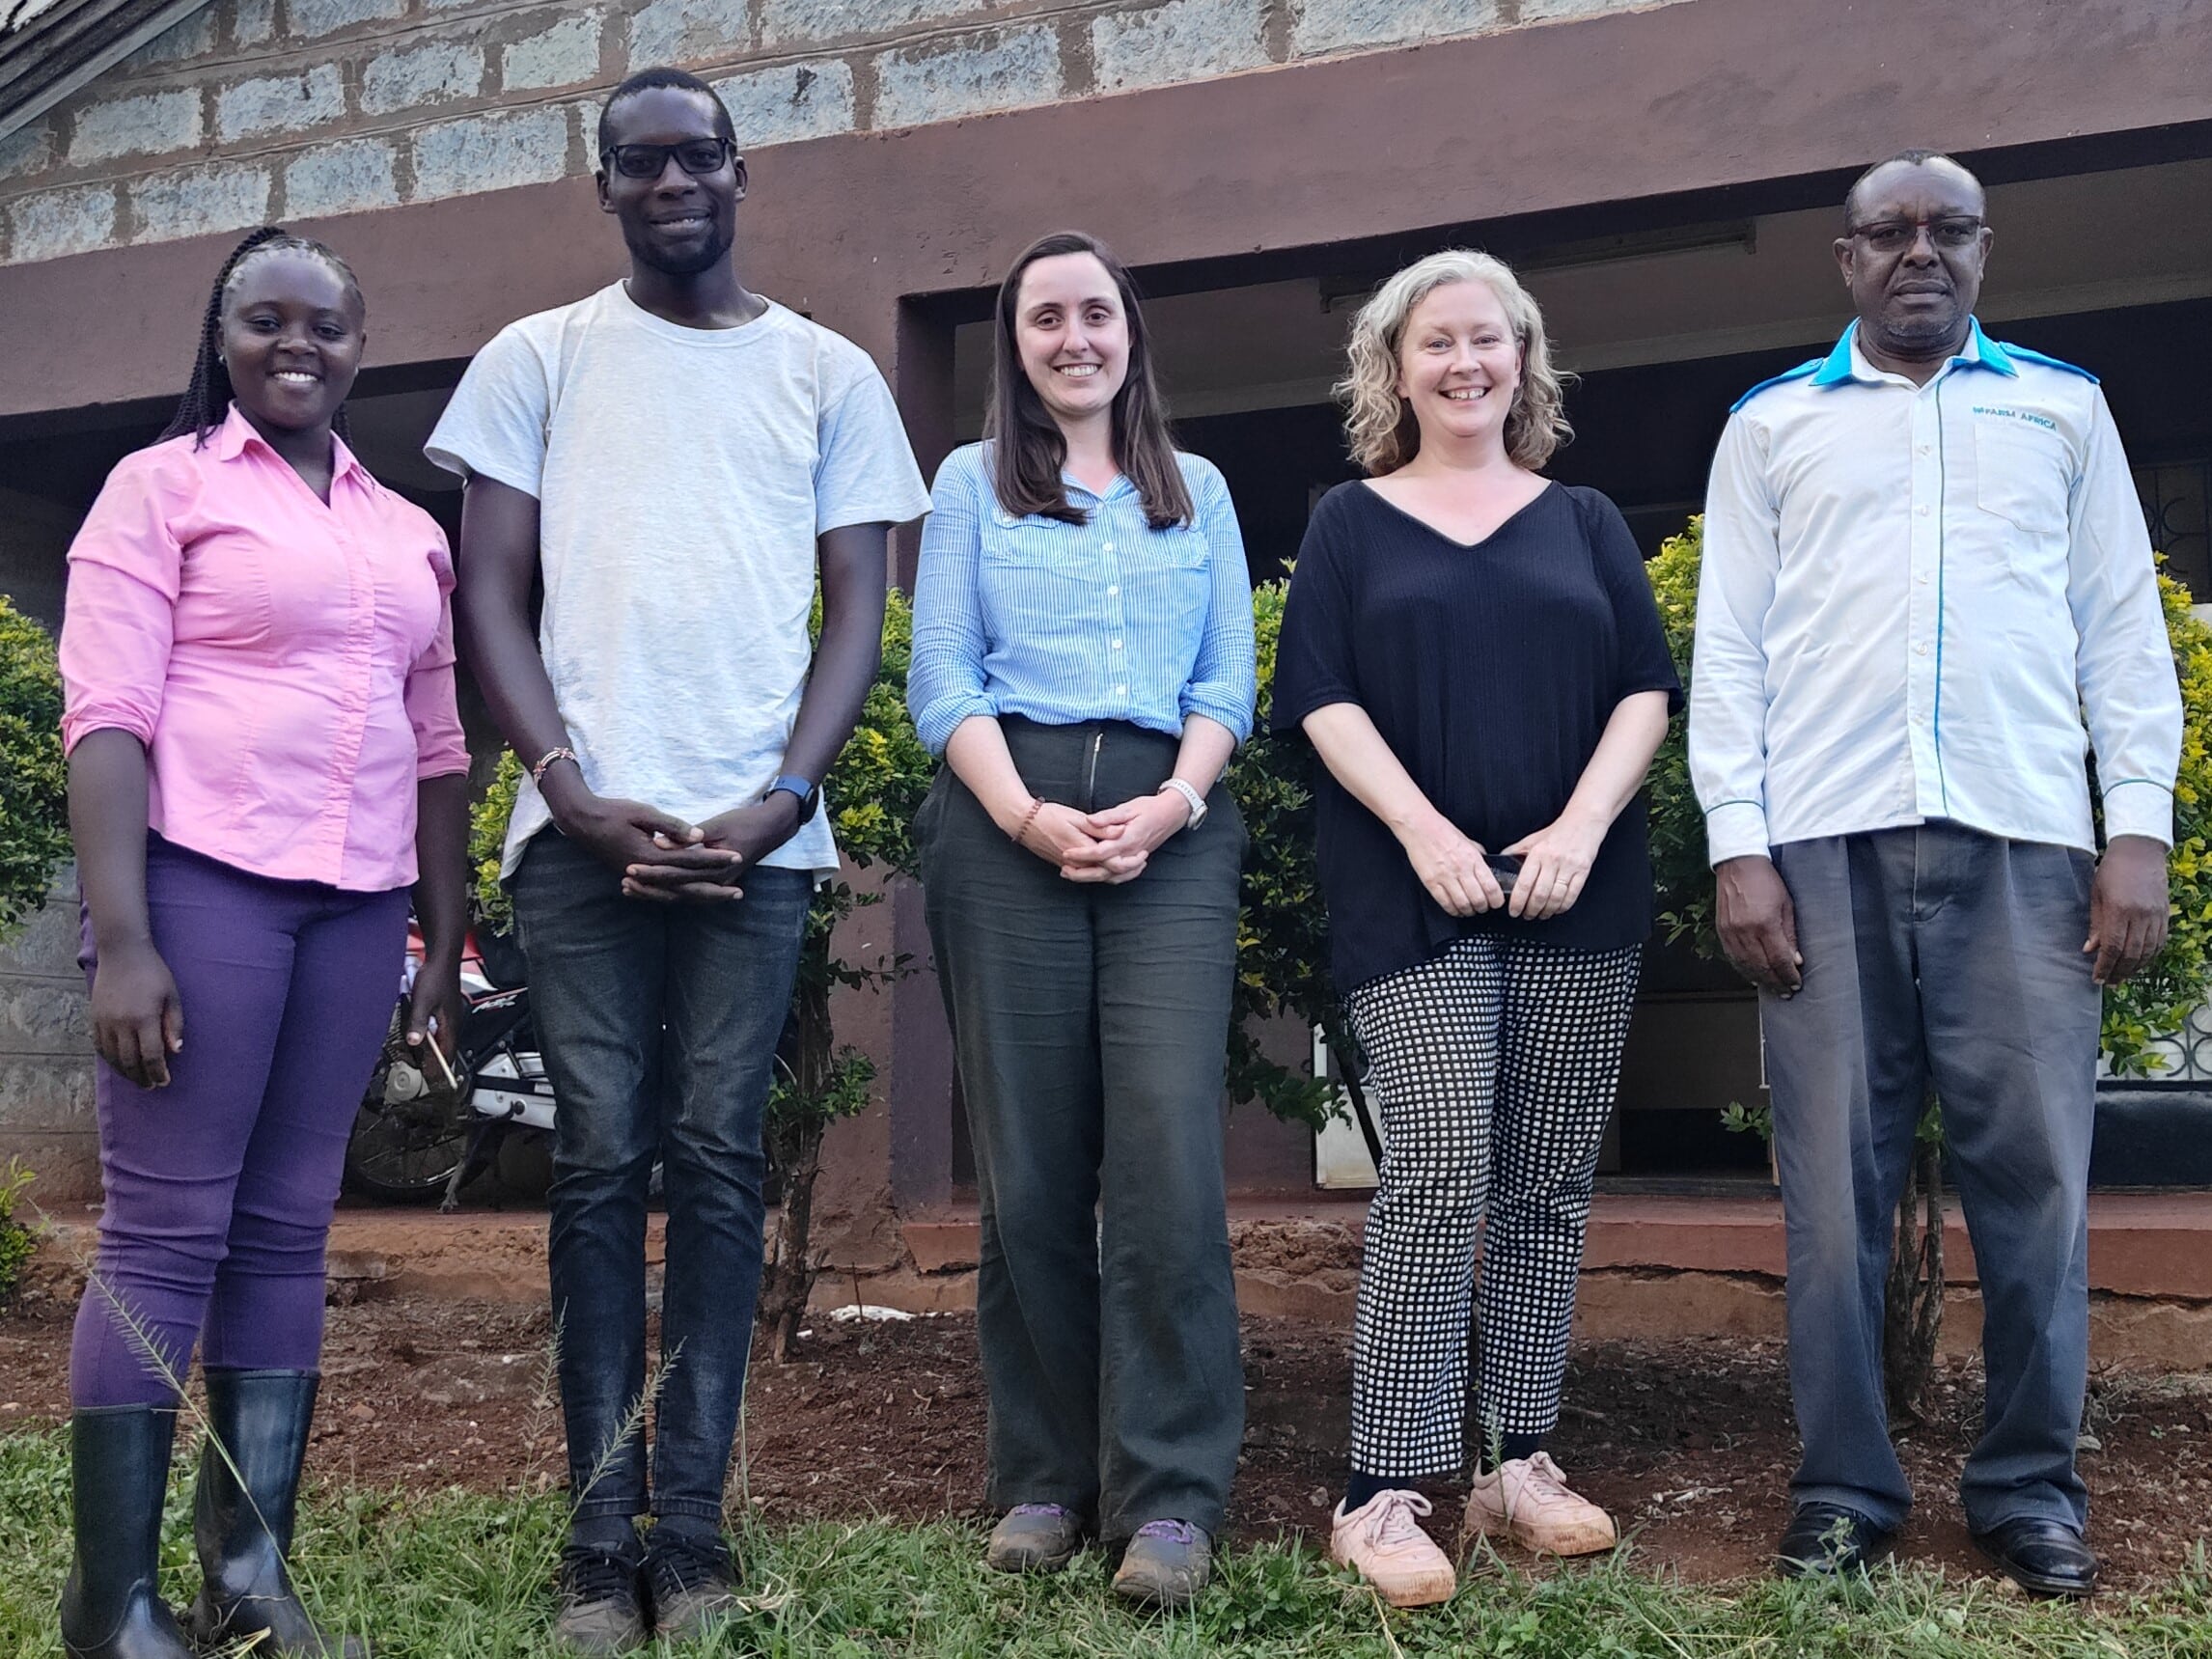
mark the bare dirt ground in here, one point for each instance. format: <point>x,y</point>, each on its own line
<point>1689,1442</point>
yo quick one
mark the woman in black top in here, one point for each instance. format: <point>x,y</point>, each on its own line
<point>1476,655</point>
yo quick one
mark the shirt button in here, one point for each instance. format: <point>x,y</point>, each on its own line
<point>1117,644</point>
<point>1114,591</point>
<point>1921,578</point>
<point>1920,650</point>
<point>1108,549</point>
<point>1923,449</point>
<point>1121,691</point>
<point>1922,510</point>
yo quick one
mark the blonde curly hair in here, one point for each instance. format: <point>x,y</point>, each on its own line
<point>1380,427</point>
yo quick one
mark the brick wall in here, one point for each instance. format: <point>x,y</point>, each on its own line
<point>253,110</point>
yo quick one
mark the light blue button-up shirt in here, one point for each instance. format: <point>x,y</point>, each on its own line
<point>1063,623</point>
<point>1911,597</point>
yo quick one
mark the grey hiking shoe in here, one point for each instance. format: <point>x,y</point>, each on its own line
<point>693,1581</point>
<point>600,1608</point>
<point>1165,1564</point>
<point>1034,1537</point>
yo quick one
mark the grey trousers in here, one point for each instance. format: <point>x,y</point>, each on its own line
<point>1090,1026</point>
<point>1937,954</point>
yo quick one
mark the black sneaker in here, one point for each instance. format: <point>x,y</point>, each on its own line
<point>693,1582</point>
<point>601,1609</point>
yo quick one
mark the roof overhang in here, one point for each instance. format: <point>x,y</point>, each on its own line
<point>49,49</point>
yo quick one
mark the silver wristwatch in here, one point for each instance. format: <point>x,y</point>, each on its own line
<point>1191,795</point>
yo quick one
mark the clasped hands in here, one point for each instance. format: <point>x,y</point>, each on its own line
<point>1555,867</point>
<point>663,860</point>
<point>1110,847</point>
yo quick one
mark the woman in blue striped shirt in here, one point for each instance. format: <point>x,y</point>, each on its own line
<point>1083,660</point>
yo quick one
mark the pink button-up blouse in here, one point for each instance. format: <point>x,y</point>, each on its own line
<point>289,664</point>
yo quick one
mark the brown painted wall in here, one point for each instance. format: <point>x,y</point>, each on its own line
<point>1613,108</point>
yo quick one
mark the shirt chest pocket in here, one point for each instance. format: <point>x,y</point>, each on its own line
<point>1168,569</point>
<point>1040,580</point>
<point>2021,473</point>
<point>1035,543</point>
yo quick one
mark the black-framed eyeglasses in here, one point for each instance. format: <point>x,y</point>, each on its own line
<point>697,156</point>
<point>1895,235</point>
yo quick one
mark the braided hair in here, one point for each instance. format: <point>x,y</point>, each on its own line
<point>206,400</point>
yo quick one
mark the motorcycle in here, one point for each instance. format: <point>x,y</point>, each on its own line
<point>415,1136</point>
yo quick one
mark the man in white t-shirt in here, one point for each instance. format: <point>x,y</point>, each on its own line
<point>674,458</point>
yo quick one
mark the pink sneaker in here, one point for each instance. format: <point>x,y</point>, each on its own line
<point>1529,1501</point>
<point>1383,1542</point>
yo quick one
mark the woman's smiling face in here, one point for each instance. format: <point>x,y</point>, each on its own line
<point>1073,336</point>
<point>1459,363</point>
<point>291,338</point>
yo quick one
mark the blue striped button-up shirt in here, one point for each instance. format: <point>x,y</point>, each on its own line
<point>1063,622</point>
<point>1912,597</point>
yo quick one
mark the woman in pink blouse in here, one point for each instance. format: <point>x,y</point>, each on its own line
<point>265,754</point>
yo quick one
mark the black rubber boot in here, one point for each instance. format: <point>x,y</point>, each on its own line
<point>244,1531</point>
<point>119,1466</point>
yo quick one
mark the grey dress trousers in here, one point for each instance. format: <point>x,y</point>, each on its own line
<point>1938,954</point>
<point>1091,1027</point>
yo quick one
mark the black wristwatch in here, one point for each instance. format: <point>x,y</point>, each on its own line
<point>791,784</point>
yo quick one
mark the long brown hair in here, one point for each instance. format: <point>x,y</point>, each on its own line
<point>1028,449</point>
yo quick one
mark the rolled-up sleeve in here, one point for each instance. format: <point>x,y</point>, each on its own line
<point>945,674</point>
<point>119,623</point>
<point>1727,675</point>
<point>2124,664</point>
<point>1224,681</point>
<point>441,747</point>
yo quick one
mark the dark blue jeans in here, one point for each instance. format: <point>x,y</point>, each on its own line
<point>659,1025</point>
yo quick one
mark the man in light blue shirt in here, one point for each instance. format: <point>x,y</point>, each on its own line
<point>1924,565</point>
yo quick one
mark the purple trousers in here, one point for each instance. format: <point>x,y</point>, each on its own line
<point>219,1188</point>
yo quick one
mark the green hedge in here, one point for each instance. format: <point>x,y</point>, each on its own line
<point>34,778</point>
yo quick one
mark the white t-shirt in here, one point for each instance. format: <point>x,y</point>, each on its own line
<point>681,476</point>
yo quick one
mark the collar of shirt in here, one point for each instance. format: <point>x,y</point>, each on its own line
<point>1848,360</point>
<point>237,434</point>
<point>1077,492</point>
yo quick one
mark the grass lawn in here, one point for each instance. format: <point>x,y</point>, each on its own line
<point>455,1575</point>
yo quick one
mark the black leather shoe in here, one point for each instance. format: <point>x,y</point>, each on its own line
<point>118,1468</point>
<point>242,1518</point>
<point>2040,1555</point>
<point>1825,1540</point>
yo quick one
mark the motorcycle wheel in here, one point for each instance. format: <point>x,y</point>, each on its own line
<point>406,1141</point>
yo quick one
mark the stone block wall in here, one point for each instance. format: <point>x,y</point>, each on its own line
<point>45,1054</point>
<point>255,110</point>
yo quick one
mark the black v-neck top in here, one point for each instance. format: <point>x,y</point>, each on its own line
<point>1490,669</point>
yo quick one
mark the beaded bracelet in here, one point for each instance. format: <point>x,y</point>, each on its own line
<point>538,772</point>
<point>1029,817</point>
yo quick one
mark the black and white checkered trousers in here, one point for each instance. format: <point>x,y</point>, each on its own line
<point>1493,1067</point>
